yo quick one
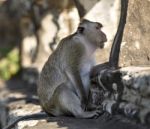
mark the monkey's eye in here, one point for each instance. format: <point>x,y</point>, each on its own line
<point>80,29</point>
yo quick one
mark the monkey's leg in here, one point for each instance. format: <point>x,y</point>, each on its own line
<point>69,103</point>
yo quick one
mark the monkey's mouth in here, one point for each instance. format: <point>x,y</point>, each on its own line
<point>102,43</point>
<point>105,38</point>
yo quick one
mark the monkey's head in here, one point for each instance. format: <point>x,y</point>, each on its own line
<point>92,31</point>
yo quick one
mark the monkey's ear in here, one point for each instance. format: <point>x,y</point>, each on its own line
<point>80,30</point>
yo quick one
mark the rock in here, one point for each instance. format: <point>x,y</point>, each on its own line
<point>135,48</point>
<point>127,87</point>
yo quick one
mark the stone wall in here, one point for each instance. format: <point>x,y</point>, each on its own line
<point>135,48</point>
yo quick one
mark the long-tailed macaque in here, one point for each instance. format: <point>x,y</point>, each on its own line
<point>64,82</point>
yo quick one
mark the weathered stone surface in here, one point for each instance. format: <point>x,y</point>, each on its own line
<point>127,91</point>
<point>72,123</point>
<point>136,43</point>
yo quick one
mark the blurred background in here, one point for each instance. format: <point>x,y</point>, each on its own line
<point>30,30</point>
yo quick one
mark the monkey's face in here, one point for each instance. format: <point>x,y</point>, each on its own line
<point>98,36</point>
<point>92,31</point>
<point>101,38</point>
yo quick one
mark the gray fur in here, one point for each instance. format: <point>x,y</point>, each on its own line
<point>64,82</point>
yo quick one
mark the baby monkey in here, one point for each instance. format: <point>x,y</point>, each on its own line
<point>64,82</point>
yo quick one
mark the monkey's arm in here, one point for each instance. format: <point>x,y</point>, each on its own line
<point>75,78</point>
<point>74,67</point>
<point>35,116</point>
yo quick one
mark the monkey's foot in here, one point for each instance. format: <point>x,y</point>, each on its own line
<point>92,114</point>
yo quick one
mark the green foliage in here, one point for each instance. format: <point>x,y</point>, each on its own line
<point>9,65</point>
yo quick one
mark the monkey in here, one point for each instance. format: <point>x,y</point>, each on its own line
<point>64,82</point>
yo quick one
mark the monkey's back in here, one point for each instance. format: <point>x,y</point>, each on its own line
<point>53,73</point>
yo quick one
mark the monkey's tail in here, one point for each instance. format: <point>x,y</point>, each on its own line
<point>36,116</point>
